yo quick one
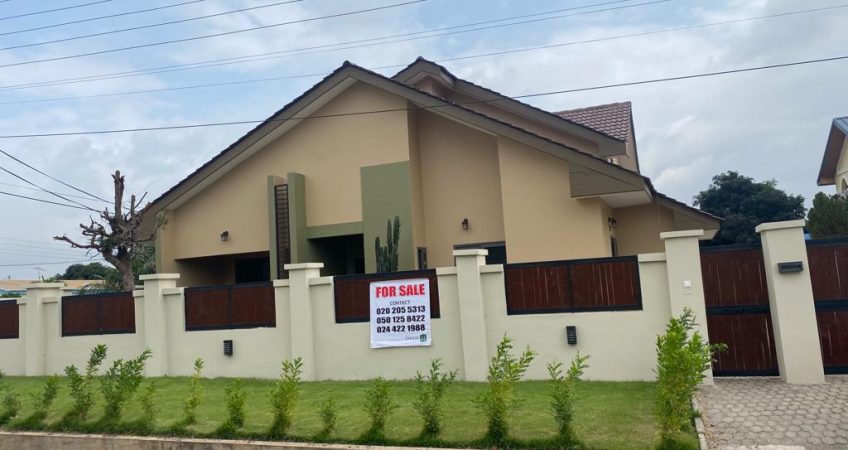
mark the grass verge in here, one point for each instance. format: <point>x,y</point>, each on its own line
<point>609,415</point>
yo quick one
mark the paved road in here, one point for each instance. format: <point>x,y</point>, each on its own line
<point>759,411</point>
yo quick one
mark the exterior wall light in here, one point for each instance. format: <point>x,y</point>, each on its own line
<point>613,224</point>
<point>465,224</point>
<point>225,236</point>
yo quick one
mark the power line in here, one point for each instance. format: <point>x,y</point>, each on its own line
<point>17,246</point>
<point>208,36</point>
<point>303,50</point>
<point>154,25</point>
<point>18,186</point>
<point>82,191</point>
<point>64,8</point>
<point>52,263</point>
<point>41,200</point>
<point>24,252</point>
<point>45,190</point>
<point>441,60</point>
<point>91,19</point>
<point>446,104</point>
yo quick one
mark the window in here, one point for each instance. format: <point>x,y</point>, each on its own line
<point>497,251</point>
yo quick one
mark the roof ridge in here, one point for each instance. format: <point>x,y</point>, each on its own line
<point>603,105</point>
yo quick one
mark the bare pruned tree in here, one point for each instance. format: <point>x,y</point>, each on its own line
<point>116,234</point>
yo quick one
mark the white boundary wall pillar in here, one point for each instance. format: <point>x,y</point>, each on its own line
<point>685,282</point>
<point>35,331</point>
<point>298,311</point>
<point>472,313</point>
<point>155,321</point>
<point>793,313</point>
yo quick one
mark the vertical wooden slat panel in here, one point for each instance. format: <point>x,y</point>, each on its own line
<point>352,294</point>
<point>117,313</point>
<point>253,306</point>
<point>9,319</point>
<point>207,308</point>
<point>828,261</point>
<point>80,315</point>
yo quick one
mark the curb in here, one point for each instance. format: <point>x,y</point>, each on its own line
<point>699,426</point>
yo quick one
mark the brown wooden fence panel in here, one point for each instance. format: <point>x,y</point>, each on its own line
<point>110,313</point>
<point>230,306</point>
<point>736,296</point>
<point>606,284</point>
<point>828,260</point>
<point>9,320</point>
<point>353,297</point>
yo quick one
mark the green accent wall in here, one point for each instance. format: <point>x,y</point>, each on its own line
<point>386,193</point>
<point>337,229</point>
<point>297,218</point>
<point>272,225</point>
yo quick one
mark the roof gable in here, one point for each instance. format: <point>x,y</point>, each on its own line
<point>614,119</point>
<point>833,150</point>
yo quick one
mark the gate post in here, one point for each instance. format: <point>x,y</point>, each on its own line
<point>35,346</point>
<point>793,313</point>
<point>472,313</point>
<point>685,282</point>
<point>156,321</point>
<point>299,315</point>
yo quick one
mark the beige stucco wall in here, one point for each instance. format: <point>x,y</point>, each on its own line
<point>541,220</point>
<point>639,228</point>
<point>459,178</point>
<point>13,349</point>
<point>327,151</point>
<point>841,178</point>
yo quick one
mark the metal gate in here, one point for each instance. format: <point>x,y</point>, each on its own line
<point>828,260</point>
<point>736,297</point>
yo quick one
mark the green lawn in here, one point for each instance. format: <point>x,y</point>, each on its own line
<point>608,415</point>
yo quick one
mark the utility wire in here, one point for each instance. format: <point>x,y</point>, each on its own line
<point>51,263</point>
<point>82,191</point>
<point>18,186</point>
<point>446,104</point>
<point>207,36</point>
<point>91,19</point>
<point>441,60</point>
<point>28,247</point>
<point>302,51</point>
<point>153,25</point>
<point>64,8</point>
<point>46,190</point>
<point>42,200</point>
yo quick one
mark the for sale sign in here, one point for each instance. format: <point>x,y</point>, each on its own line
<point>400,313</point>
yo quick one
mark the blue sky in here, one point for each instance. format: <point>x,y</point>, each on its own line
<point>770,124</point>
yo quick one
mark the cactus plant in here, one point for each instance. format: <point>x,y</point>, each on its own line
<point>387,256</point>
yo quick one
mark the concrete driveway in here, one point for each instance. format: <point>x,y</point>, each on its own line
<point>762,411</point>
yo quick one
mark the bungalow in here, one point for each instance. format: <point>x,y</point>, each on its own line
<point>834,166</point>
<point>458,165</point>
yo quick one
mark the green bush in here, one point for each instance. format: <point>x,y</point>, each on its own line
<point>505,370</point>
<point>329,416</point>
<point>81,385</point>
<point>194,396</point>
<point>283,397</point>
<point>119,384</point>
<point>428,396</point>
<point>378,405</point>
<point>562,395</point>
<point>682,358</point>
<point>11,403</point>
<point>235,406</point>
<point>149,410</point>
<point>42,403</point>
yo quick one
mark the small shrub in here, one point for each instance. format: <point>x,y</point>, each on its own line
<point>505,370</point>
<point>11,403</point>
<point>329,417</point>
<point>194,396</point>
<point>562,394</point>
<point>283,397</point>
<point>235,406</point>
<point>428,396</point>
<point>378,405</point>
<point>82,391</point>
<point>119,384</point>
<point>42,402</point>
<point>682,358</point>
<point>149,410</point>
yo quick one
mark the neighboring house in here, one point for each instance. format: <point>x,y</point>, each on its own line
<point>461,166</point>
<point>834,166</point>
<point>17,288</point>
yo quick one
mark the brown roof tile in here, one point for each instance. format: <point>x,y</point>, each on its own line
<point>612,119</point>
